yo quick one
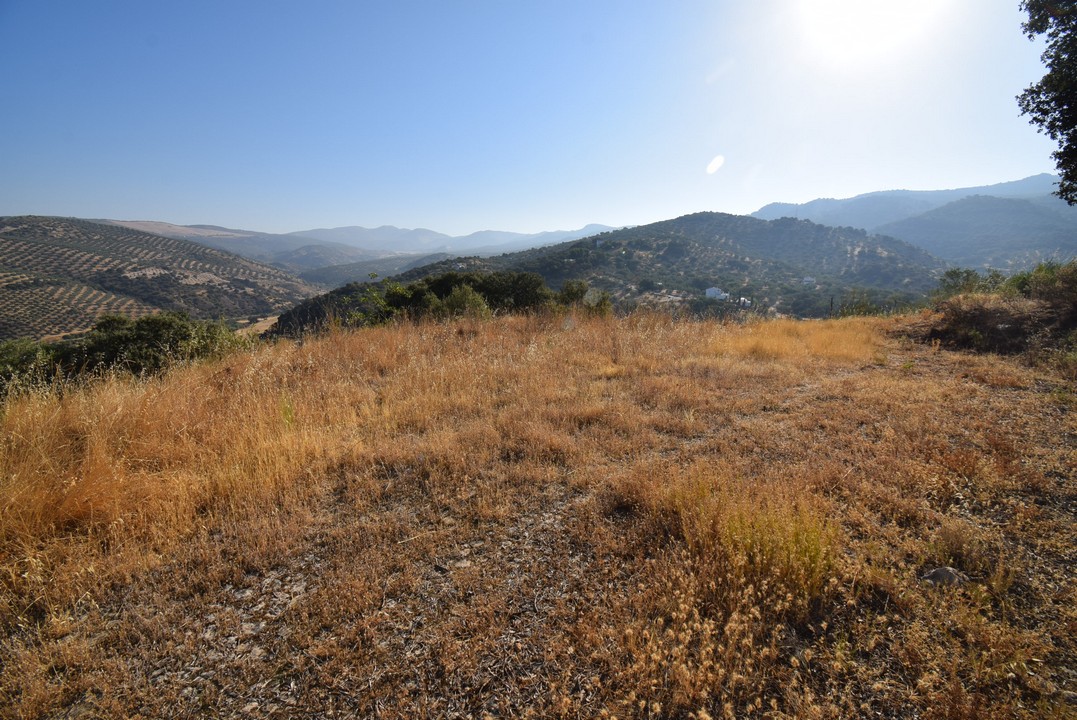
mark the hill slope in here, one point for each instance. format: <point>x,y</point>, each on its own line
<point>57,275</point>
<point>872,210</point>
<point>1002,233</point>
<point>794,266</point>
<point>1011,226</point>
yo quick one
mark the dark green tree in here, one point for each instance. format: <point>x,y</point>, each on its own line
<point>1052,102</point>
<point>149,344</point>
<point>572,292</point>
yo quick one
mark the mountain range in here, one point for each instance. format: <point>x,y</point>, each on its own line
<point>1009,226</point>
<point>307,250</point>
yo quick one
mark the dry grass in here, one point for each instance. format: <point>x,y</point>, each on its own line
<point>547,516</point>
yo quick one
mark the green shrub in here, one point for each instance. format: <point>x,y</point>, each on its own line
<point>962,281</point>
<point>149,344</point>
<point>598,302</point>
<point>572,292</point>
<point>25,363</point>
<point>464,301</point>
<point>440,295</point>
<point>144,346</point>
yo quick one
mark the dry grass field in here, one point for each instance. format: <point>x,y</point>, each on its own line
<point>546,517</point>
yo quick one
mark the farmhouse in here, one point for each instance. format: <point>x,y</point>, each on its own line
<point>716,294</point>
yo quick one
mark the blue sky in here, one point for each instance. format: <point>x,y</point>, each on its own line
<point>501,114</point>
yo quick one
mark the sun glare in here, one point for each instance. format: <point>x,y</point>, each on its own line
<point>852,33</point>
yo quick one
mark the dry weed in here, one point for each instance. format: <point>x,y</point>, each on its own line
<point>545,516</point>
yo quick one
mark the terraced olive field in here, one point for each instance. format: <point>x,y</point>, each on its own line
<point>58,275</point>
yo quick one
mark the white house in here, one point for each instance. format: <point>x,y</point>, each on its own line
<point>716,294</point>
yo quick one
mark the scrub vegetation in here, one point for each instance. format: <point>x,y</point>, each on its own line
<point>1033,313</point>
<point>561,514</point>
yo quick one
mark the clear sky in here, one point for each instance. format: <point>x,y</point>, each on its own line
<point>524,115</point>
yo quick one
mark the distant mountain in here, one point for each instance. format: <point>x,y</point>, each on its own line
<point>337,275</point>
<point>493,242</point>
<point>1009,226</point>
<point>320,255</point>
<point>872,210</point>
<point>306,251</point>
<point>793,266</point>
<point>384,239</point>
<point>58,275</point>
<point>389,239</point>
<point>289,251</point>
<point>1002,233</point>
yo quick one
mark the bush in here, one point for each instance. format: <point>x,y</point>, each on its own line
<point>145,346</point>
<point>25,363</point>
<point>598,302</point>
<point>1030,311</point>
<point>464,301</point>
<point>440,295</point>
<point>1053,284</point>
<point>962,281</point>
<point>150,344</point>
<point>572,292</point>
<point>989,323</point>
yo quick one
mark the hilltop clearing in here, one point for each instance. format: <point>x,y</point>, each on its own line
<point>553,515</point>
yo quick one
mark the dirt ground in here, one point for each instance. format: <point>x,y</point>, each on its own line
<point>596,518</point>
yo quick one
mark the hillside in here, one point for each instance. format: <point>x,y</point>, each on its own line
<point>1010,226</point>
<point>764,260</point>
<point>991,232</point>
<point>57,275</point>
<point>547,516</point>
<point>873,210</point>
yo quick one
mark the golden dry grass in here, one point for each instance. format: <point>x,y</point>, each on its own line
<point>545,516</point>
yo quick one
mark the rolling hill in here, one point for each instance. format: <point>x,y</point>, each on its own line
<point>792,266</point>
<point>58,275</point>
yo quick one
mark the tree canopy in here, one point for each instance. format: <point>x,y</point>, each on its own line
<point>1051,103</point>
